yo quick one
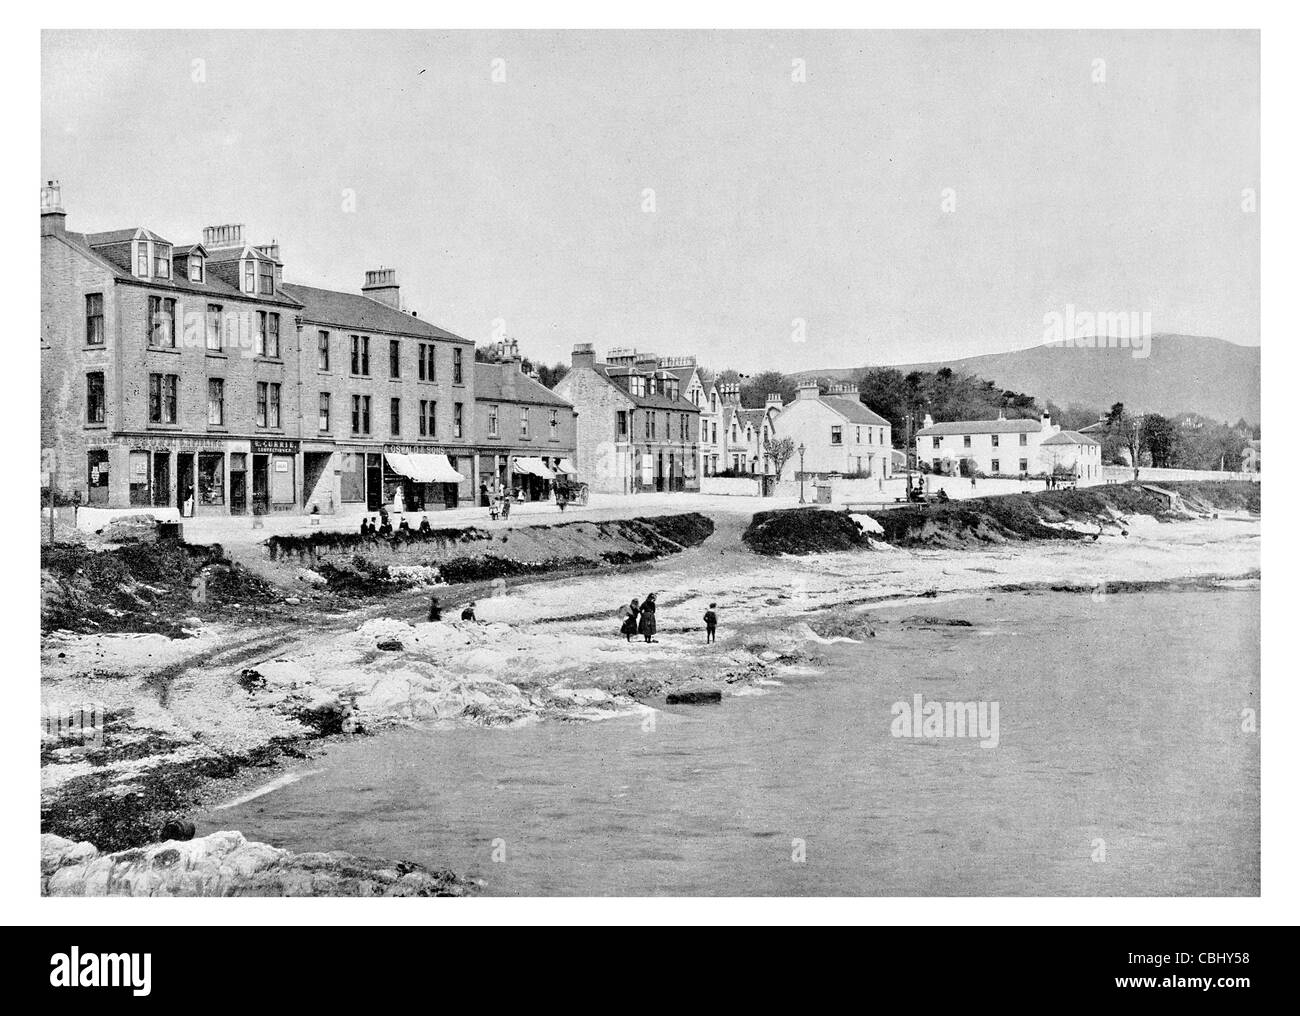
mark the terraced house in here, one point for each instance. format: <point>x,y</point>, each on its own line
<point>192,376</point>
<point>168,372</point>
<point>636,429</point>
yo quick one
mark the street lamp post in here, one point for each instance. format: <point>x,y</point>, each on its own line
<point>801,451</point>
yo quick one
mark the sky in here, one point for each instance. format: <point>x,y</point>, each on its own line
<point>764,200</point>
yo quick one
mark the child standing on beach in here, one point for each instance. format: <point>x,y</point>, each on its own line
<point>711,624</point>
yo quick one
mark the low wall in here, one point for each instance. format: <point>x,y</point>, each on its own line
<point>741,486</point>
<point>1123,474</point>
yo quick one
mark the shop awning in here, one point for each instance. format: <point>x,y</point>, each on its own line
<point>426,468</point>
<point>534,466</point>
<point>566,466</point>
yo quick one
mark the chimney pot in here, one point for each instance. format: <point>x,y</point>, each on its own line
<point>53,218</point>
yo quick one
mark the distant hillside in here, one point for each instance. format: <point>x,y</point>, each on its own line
<point>1183,374</point>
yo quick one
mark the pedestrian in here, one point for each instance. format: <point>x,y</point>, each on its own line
<point>468,613</point>
<point>505,506</point>
<point>403,528</point>
<point>435,609</point>
<point>425,528</point>
<point>383,516</point>
<point>629,614</point>
<point>483,498</point>
<point>646,623</point>
<point>711,623</point>
<point>385,527</point>
<point>972,481</point>
<point>365,527</point>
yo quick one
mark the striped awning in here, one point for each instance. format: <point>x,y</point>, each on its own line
<point>423,468</point>
<point>534,466</point>
<point>566,466</point>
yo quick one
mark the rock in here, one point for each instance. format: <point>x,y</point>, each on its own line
<point>226,864</point>
<point>390,645</point>
<point>293,600</point>
<point>310,577</point>
<point>251,679</point>
<point>694,698</point>
<point>131,529</point>
<point>178,829</point>
<point>929,621</point>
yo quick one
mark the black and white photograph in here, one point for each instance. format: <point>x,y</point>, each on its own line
<point>693,464</point>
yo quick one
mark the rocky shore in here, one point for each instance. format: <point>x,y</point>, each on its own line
<point>191,722</point>
<point>226,864</point>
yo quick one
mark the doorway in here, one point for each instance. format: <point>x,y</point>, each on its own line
<point>162,479</point>
<point>374,482</point>
<point>184,480</point>
<point>261,491</point>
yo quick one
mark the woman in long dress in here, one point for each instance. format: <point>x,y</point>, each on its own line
<point>646,625</point>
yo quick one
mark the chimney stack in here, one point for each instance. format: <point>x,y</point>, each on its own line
<point>807,390</point>
<point>584,355</point>
<point>845,390</point>
<point>927,422</point>
<point>53,218</point>
<point>774,400</point>
<point>229,235</point>
<point>381,285</point>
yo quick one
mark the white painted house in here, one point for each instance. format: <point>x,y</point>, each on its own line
<point>838,433</point>
<point>1068,451</point>
<point>998,447</point>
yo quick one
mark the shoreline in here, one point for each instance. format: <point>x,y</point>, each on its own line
<point>574,666</point>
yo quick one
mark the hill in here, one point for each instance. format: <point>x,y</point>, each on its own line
<point>1182,374</point>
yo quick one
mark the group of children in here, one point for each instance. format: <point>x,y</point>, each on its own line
<point>385,530</point>
<point>639,618</point>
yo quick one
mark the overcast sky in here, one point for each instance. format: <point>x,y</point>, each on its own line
<point>775,200</point>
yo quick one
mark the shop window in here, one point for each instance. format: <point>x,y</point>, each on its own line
<point>138,473</point>
<point>212,478</point>
<point>352,477</point>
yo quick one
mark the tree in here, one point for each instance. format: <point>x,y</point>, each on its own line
<point>754,391</point>
<point>1126,430</point>
<point>1160,437</point>
<point>779,450</point>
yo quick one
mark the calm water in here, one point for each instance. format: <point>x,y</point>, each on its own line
<point>1119,721</point>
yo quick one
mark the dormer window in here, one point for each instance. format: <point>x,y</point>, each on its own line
<point>142,259</point>
<point>196,268</point>
<point>162,261</point>
<point>250,275</point>
<point>265,278</point>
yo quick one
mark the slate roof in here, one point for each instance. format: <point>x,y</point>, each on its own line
<point>679,404</point>
<point>211,286</point>
<point>982,427</point>
<point>491,384</point>
<point>1070,437</point>
<point>852,410</point>
<point>362,314</point>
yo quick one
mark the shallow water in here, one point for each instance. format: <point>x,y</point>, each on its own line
<point>1119,736</point>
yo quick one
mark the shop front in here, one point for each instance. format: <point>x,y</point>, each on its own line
<point>532,478</point>
<point>421,481</point>
<point>274,480</point>
<point>195,475</point>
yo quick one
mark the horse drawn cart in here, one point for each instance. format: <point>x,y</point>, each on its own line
<point>570,491</point>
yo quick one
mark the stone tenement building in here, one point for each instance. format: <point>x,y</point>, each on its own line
<point>637,430</point>
<point>193,376</point>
